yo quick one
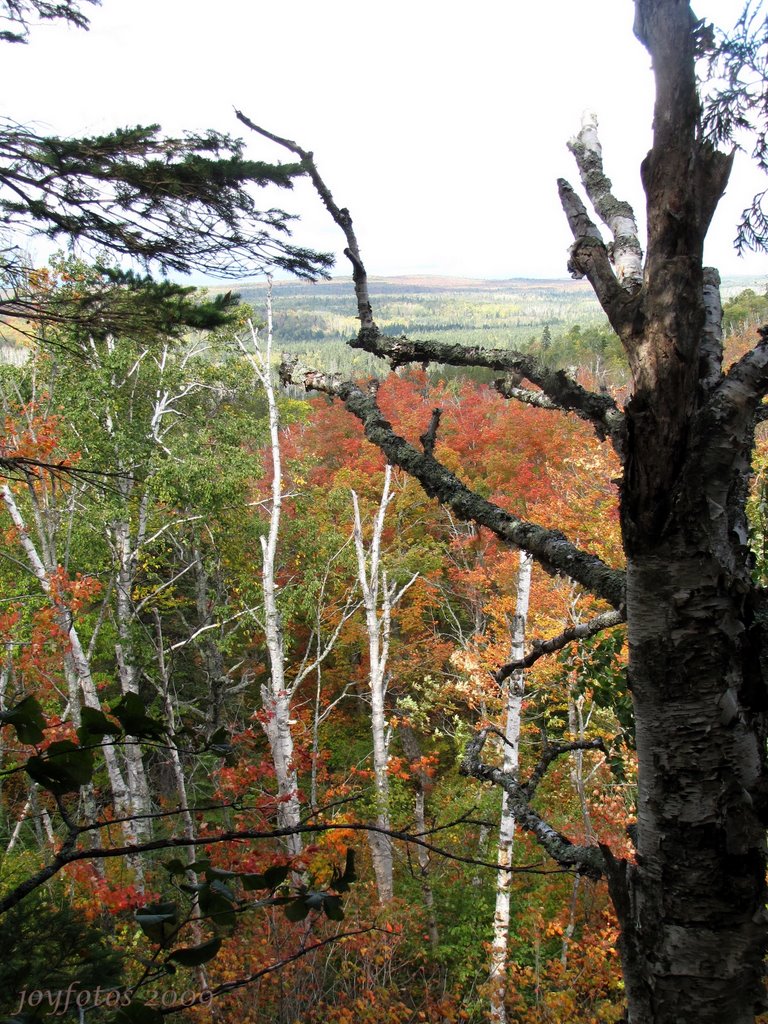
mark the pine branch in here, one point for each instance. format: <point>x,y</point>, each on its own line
<point>176,203</point>
<point>19,13</point>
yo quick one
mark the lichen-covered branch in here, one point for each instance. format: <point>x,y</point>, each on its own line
<point>589,257</point>
<point>550,752</point>
<point>563,392</point>
<point>747,380</point>
<point>549,547</point>
<point>582,631</point>
<point>585,860</point>
<point>625,253</point>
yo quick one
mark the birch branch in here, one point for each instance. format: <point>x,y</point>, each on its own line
<point>549,547</point>
<point>589,257</point>
<point>625,253</point>
<point>746,383</point>
<point>711,350</point>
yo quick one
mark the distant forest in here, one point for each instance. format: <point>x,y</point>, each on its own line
<point>561,320</point>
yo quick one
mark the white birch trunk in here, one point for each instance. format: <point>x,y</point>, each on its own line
<point>77,665</point>
<point>515,691</point>
<point>136,776</point>
<point>275,693</point>
<point>379,598</point>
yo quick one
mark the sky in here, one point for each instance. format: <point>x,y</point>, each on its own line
<point>442,127</point>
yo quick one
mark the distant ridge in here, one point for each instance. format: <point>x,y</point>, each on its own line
<point>429,282</point>
<point>444,282</point>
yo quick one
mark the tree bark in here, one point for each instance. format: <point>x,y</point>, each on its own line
<point>276,694</point>
<point>515,688</point>
<point>379,598</point>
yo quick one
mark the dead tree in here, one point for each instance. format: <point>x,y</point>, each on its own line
<point>691,905</point>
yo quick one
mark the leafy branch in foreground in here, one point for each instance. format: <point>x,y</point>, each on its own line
<point>180,204</point>
<point>18,13</point>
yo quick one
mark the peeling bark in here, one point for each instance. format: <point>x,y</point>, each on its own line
<point>625,253</point>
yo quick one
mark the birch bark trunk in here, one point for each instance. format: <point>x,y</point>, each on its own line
<point>515,692</point>
<point>380,596</point>
<point>77,666</point>
<point>276,694</point>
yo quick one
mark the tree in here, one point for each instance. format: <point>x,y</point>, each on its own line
<point>178,204</point>
<point>691,903</point>
<point>17,13</point>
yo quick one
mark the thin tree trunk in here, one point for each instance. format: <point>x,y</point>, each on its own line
<point>412,751</point>
<point>379,598</point>
<point>515,691</point>
<point>77,666</point>
<point>276,694</point>
<point>136,776</point>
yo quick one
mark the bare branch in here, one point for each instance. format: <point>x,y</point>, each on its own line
<point>429,436</point>
<point>590,258</point>
<point>550,752</point>
<point>68,853</point>
<point>625,252</point>
<point>579,632</point>
<point>549,547</point>
<point>340,215</point>
<point>562,390</point>
<point>586,860</point>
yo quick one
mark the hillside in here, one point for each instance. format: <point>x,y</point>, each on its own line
<point>317,319</point>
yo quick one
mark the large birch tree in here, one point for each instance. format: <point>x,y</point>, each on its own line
<point>691,903</point>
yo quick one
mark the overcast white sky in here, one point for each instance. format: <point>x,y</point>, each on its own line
<point>442,126</point>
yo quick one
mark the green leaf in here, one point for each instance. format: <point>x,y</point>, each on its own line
<point>95,726</point>
<point>218,886</point>
<point>129,711</point>
<point>341,883</point>
<point>221,873</point>
<point>296,910</point>
<point>333,908</point>
<point>193,956</point>
<point>217,907</point>
<point>138,1013</point>
<point>175,866</point>
<point>199,865</point>
<point>27,719</point>
<point>220,741</point>
<point>276,874</point>
<point>252,882</point>
<point>158,921</point>
<point>64,768</point>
